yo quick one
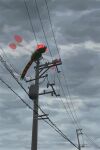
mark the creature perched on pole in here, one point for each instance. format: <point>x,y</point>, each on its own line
<point>40,49</point>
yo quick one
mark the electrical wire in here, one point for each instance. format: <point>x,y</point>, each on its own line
<point>52,124</point>
<point>11,72</point>
<point>92,141</point>
<point>28,13</point>
<point>66,82</point>
<point>42,26</point>
<point>52,27</point>
<point>15,93</point>
<point>75,122</point>
<point>47,41</point>
<point>62,103</point>
<point>32,109</point>
<point>46,38</point>
<point>4,54</point>
<point>61,66</point>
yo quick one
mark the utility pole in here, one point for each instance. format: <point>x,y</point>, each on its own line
<point>40,70</point>
<point>35,112</point>
<point>79,132</point>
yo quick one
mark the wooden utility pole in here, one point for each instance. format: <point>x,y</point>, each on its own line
<point>40,70</point>
<point>35,112</point>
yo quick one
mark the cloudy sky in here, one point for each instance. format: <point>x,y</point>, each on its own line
<point>76,25</point>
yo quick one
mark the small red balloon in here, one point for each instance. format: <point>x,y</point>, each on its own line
<point>18,38</point>
<point>12,46</point>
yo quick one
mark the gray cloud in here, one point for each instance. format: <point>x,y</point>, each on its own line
<point>73,22</point>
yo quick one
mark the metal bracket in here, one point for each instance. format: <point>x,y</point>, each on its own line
<point>45,92</point>
<point>55,63</point>
<point>51,85</point>
<point>42,117</point>
<point>36,78</point>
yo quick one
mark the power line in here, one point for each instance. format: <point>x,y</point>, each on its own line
<point>40,21</point>
<point>44,36</point>
<point>53,36</point>
<point>61,66</point>
<point>42,112</point>
<point>67,87</point>
<point>4,54</point>
<point>66,82</point>
<point>42,26</point>
<point>50,52</point>
<point>11,72</point>
<point>69,95</point>
<point>47,41</point>
<point>28,13</point>
<point>92,141</point>
<point>60,84</point>
<point>15,93</point>
<point>63,134</point>
<point>52,27</point>
<point>64,103</point>
<point>52,124</point>
<point>31,22</point>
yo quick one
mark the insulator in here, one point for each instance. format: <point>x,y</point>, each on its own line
<point>48,85</point>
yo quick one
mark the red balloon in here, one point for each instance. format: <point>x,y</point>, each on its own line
<point>18,38</point>
<point>12,46</point>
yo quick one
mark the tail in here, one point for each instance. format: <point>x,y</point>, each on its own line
<point>26,69</point>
